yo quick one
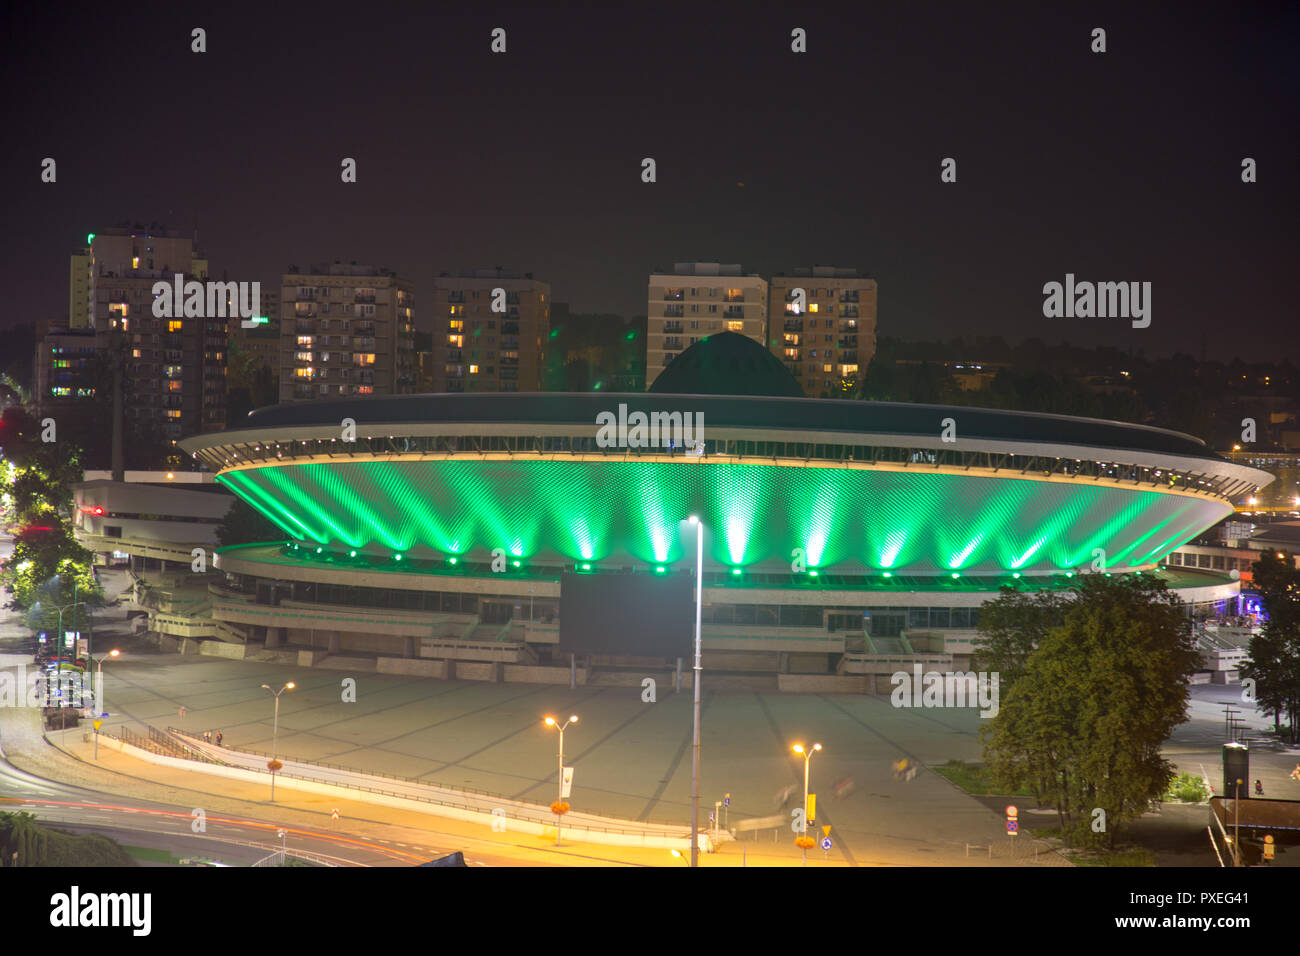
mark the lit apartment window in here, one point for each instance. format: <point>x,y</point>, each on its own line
<point>304,340</point>
<point>827,368</point>
<point>366,390</point>
<point>735,326</point>
<point>119,308</point>
<point>135,353</point>
<point>174,386</point>
<point>847,370</point>
<point>173,413</point>
<point>304,372</point>
<point>302,356</point>
<point>174,325</point>
<point>456,341</point>
<point>135,262</point>
<point>812,307</point>
<point>473,370</point>
<point>363,358</point>
<point>456,325</point>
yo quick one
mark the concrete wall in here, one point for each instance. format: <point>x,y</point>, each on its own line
<point>364,665</point>
<point>822,684</point>
<point>234,652</point>
<point>524,674</point>
<point>407,667</point>
<point>478,670</point>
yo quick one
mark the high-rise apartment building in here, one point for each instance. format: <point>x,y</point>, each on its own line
<point>827,336</point>
<point>173,367</point>
<point>489,330</point>
<point>346,329</point>
<point>696,300</point>
<point>81,313</point>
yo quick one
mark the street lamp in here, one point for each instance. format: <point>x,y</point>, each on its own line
<point>552,722</point>
<point>807,759</point>
<point>275,731</point>
<point>99,691</point>
<point>695,733</point>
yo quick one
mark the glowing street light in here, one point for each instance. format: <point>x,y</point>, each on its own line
<point>275,732</point>
<point>99,691</point>
<point>807,759</point>
<point>552,722</point>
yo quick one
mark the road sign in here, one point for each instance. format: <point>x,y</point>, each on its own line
<point>98,724</point>
<point>826,843</point>
<point>566,786</point>
<point>1013,826</point>
<point>812,806</point>
<point>1012,812</point>
<point>726,800</point>
<point>826,830</point>
<point>334,814</point>
<point>1268,846</point>
<point>710,816</point>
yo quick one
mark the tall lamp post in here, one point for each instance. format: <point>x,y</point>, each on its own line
<point>99,691</point>
<point>275,731</point>
<point>807,753</point>
<point>695,733</point>
<point>552,722</point>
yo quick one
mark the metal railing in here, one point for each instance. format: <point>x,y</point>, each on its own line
<point>539,815</point>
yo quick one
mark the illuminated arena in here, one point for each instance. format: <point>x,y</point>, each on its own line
<point>835,531</point>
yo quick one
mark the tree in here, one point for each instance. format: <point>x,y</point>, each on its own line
<point>1011,626</point>
<point>244,524</point>
<point>1274,663</point>
<point>1084,725</point>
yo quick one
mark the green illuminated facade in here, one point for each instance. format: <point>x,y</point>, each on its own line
<point>759,516</point>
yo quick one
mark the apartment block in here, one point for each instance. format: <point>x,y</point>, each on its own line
<point>81,314</point>
<point>173,368</point>
<point>696,300</point>
<point>826,336</point>
<point>488,331</point>
<point>346,329</point>
<point>64,371</point>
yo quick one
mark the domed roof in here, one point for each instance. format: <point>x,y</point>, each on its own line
<point>727,364</point>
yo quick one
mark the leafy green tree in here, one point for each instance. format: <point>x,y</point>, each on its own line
<point>244,524</point>
<point>1274,663</point>
<point>1084,725</point>
<point>40,553</point>
<point>1011,626</point>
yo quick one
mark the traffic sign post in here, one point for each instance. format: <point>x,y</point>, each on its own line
<point>1268,846</point>
<point>98,724</point>
<point>726,810</point>
<point>826,846</point>
<point>1013,826</point>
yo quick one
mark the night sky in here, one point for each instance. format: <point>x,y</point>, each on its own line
<point>1118,166</point>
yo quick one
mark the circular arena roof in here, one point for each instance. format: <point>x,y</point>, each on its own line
<point>839,484</point>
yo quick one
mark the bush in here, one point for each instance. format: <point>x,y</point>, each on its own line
<point>1188,788</point>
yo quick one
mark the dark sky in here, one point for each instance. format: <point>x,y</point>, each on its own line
<point>1120,166</point>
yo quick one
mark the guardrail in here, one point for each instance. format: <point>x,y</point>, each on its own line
<point>538,815</point>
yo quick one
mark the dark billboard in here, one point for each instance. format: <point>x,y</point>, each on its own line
<point>639,615</point>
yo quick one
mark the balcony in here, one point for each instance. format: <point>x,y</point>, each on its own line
<point>363,328</point>
<point>672,328</point>
<point>455,297</point>
<point>369,299</point>
<point>674,311</point>
<point>850,296</point>
<point>359,342</point>
<point>794,325</point>
<point>848,342</point>
<point>455,355</point>
<point>733,313</point>
<point>734,298</point>
<point>673,295</point>
<point>672,343</point>
<point>509,328</point>
<point>849,311</point>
